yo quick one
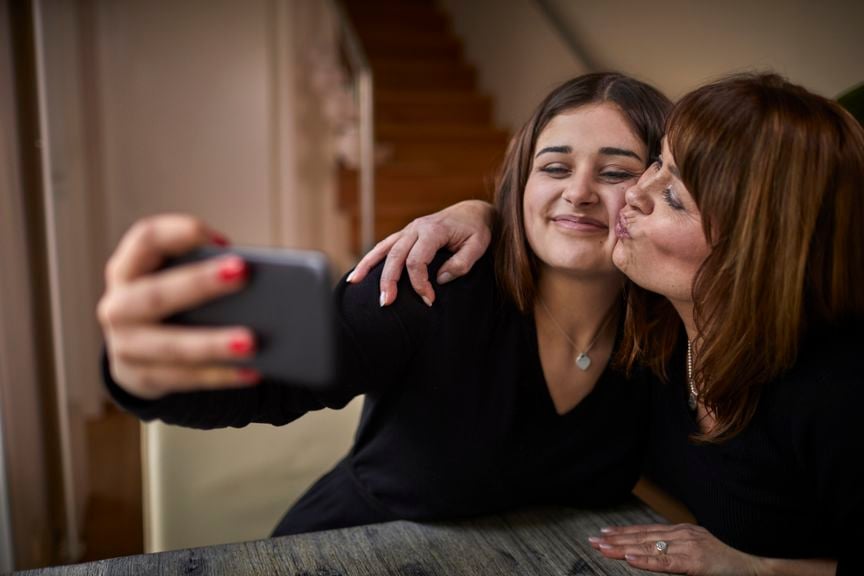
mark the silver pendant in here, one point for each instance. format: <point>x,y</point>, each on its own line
<point>583,361</point>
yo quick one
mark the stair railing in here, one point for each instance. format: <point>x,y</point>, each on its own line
<point>361,74</point>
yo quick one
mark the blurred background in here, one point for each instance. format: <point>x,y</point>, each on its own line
<point>298,123</point>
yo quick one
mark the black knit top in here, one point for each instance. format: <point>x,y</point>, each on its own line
<point>788,485</point>
<point>457,419</point>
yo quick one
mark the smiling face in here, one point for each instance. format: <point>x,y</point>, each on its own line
<point>661,240</point>
<point>584,161</point>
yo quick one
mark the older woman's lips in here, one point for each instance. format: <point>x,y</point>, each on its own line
<point>621,227</point>
<point>580,223</point>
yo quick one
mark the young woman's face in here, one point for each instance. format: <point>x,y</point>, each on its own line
<point>584,161</point>
<point>661,240</point>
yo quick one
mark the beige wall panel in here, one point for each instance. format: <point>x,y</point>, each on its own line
<point>680,44</point>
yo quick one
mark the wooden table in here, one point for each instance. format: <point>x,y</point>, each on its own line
<point>544,541</point>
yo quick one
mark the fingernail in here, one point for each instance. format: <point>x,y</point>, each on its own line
<point>219,239</point>
<point>445,277</point>
<point>232,269</point>
<point>241,345</point>
<point>630,557</point>
<point>594,539</point>
<point>350,277</point>
<point>427,301</point>
<point>248,375</point>
<point>606,530</point>
<point>382,300</point>
<point>605,546</point>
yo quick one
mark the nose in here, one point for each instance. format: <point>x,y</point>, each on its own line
<point>636,196</point>
<point>580,190</point>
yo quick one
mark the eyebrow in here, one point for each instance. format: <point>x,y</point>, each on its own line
<point>606,151</point>
<point>555,149</point>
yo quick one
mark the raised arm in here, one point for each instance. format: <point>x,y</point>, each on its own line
<point>178,374</point>
<point>464,229</point>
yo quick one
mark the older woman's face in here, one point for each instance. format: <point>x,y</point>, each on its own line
<point>661,240</point>
<point>584,161</point>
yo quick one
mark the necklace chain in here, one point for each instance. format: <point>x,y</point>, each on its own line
<point>583,361</point>
<point>693,399</point>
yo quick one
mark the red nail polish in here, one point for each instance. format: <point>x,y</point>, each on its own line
<point>241,345</point>
<point>233,269</point>
<point>248,375</point>
<point>218,239</point>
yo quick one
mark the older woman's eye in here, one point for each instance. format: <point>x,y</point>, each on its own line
<point>671,200</point>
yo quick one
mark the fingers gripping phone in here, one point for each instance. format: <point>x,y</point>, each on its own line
<point>287,302</point>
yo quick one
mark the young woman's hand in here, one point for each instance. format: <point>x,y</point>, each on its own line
<point>147,358</point>
<point>690,549</point>
<point>464,228</point>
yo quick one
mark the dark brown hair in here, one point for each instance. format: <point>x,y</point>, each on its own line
<point>778,175</point>
<point>644,107</point>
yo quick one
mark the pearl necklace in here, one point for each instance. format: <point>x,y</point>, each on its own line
<point>583,361</point>
<point>693,399</point>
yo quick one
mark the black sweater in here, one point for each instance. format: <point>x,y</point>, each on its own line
<point>457,419</point>
<point>788,485</point>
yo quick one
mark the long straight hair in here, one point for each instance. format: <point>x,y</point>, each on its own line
<point>778,176</point>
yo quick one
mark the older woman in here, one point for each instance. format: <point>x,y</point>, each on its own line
<point>748,228</point>
<point>499,395</point>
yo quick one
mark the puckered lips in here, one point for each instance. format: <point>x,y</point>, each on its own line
<point>579,223</point>
<point>621,226</point>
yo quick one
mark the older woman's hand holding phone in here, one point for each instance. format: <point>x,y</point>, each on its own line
<point>150,359</point>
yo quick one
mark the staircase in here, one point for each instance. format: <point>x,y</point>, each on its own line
<point>434,134</point>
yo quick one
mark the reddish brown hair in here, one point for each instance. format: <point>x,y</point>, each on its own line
<point>777,173</point>
<point>644,107</point>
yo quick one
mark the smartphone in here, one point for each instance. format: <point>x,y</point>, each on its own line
<point>287,302</point>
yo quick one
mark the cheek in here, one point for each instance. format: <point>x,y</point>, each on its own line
<point>664,258</point>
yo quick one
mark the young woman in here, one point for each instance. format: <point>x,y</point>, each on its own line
<point>499,395</point>
<point>748,228</point>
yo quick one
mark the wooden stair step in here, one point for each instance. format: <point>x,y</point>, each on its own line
<point>384,48</point>
<point>456,107</point>
<point>409,188</point>
<point>443,132</point>
<point>420,19</point>
<point>421,155</point>
<point>399,37</point>
<point>422,75</point>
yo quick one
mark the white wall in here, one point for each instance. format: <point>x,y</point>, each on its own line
<point>518,54</point>
<point>680,44</point>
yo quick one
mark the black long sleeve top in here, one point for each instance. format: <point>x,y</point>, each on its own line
<point>788,486</point>
<point>457,419</point>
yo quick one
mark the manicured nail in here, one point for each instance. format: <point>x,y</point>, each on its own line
<point>606,530</point>
<point>241,345</point>
<point>249,375</point>
<point>427,301</point>
<point>350,277</point>
<point>219,239</point>
<point>382,300</point>
<point>594,539</point>
<point>630,557</point>
<point>445,277</point>
<point>233,269</point>
<point>605,546</point>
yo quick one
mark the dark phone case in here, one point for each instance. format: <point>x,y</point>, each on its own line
<point>287,302</point>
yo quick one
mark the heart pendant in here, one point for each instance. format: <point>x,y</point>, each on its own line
<point>583,361</point>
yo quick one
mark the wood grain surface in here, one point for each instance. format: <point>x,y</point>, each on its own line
<point>545,541</point>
